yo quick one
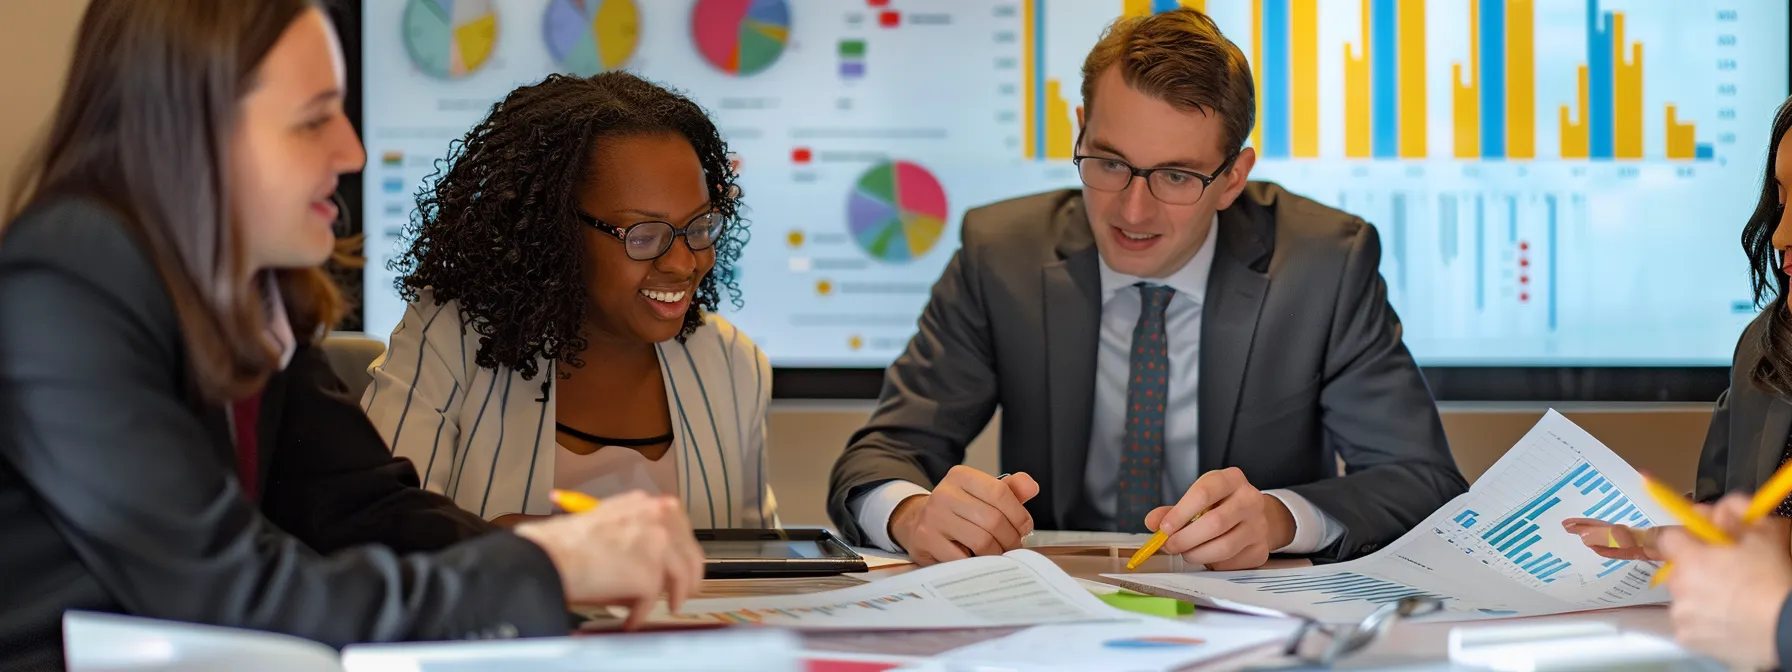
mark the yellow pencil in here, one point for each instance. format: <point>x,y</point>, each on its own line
<point>1680,508</point>
<point>573,502</point>
<point>1768,498</point>
<point>1152,545</point>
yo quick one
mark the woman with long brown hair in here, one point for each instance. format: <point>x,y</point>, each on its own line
<point>1735,602</point>
<point>172,442</point>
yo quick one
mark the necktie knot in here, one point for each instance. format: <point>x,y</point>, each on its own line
<point>1155,299</point>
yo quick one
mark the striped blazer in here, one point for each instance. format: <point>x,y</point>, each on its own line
<point>486,438</point>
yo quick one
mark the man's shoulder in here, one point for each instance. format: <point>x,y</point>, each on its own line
<point>1034,220</point>
<point>1296,225</point>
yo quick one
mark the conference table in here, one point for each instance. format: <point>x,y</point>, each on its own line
<point>1421,645</point>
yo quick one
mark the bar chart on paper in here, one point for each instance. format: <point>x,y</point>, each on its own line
<point>1519,534</point>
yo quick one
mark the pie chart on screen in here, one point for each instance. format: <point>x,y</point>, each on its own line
<point>741,37</point>
<point>897,211</point>
<point>587,37</point>
<point>449,39</point>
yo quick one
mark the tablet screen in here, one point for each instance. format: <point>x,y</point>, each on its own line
<point>763,549</point>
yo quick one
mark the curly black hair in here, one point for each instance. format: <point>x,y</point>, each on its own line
<point>1774,372</point>
<point>497,231</point>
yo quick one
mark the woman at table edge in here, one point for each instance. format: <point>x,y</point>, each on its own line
<point>172,442</point>
<point>1735,602</point>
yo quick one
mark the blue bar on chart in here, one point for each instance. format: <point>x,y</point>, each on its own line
<point>1539,562</point>
<point>1480,253</point>
<point>1447,244</point>
<point>1277,88</point>
<point>1612,565</point>
<point>1550,201</point>
<point>1384,97</point>
<point>1467,518</point>
<point>1522,516</point>
<point>1400,241</point>
<point>1493,79</point>
<point>1599,80</point>
<point>1341,587</point>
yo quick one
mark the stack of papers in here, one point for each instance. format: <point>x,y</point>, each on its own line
<point>1020,588</point>
<point>1497,551</point>
<point>114,643</point>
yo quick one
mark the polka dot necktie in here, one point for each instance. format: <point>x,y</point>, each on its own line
<point>1142,449</point>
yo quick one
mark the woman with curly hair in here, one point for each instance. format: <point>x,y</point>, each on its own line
<point>562,278</point>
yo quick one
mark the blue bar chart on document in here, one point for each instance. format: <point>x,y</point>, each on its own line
<point>1521,536</point>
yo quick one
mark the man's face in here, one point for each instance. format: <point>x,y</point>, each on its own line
<point>1136,231</point>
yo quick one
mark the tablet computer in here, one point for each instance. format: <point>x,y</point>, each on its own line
<point>756,553</point>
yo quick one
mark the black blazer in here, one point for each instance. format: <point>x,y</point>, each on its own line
<point>1747,439</point>
<point>1301,362</point>
<point>118,490</point>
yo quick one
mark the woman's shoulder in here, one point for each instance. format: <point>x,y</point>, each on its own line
<point>79,232</point>
<point>717,334</point>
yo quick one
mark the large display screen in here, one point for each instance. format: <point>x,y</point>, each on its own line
<point>1555,182</point>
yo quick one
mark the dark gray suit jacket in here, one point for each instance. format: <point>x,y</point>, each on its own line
<point>1301,362</point>
<point>118,490</point>
<point>1749,430</point>
<point>1749,426</point>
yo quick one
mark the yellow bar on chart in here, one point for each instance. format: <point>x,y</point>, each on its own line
<point>1304,76</point>
<point>1521,80</point>
<point>1057,122</point>
<point>1135,8</point>
<point>1627,95</point>
<point>1028,61</point>
<point>1682,138</point>
<point>1257,70</point>
<point>1356,94</point>
<point>1465,92</point>
<point>1411,29</point>
<point>1575,135</point>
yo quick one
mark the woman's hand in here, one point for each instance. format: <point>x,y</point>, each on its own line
<point>629,551</point>
<point>1727,599</point>
<point>1616,541</point>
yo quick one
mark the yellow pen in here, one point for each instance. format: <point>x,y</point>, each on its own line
<point>1768,498</point>
<point>573,502</point>
<point>1153,545</point>
<point>1680,508</point>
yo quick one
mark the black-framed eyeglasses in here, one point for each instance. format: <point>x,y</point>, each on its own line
<point>649,240</point>
<point>1175,186</point>
<point>1346,640</point>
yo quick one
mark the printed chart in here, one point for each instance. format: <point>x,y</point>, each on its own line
<point>1499,550</point>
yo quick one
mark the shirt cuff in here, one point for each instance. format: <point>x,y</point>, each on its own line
<point>873,510</point>
<point>1313,529</point>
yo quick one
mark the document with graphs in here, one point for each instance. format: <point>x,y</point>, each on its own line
<point>1497,551</point>
<point>1020,588</point>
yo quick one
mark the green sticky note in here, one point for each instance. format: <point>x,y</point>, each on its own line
<point>1149,605</point>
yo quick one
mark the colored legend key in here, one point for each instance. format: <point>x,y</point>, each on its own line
<point>852,59</point>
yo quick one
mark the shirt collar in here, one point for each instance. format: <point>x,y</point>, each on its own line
<point>1189,281</point>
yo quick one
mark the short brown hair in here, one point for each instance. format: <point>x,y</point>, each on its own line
<point>144,125</point>
<point>1179,57</point>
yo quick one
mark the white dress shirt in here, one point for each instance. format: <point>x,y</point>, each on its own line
<point>1120,305</point>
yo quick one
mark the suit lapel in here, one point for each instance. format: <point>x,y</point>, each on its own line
<point>1235,292</point>
<point>1072,312</point>
<point>1773,441</point>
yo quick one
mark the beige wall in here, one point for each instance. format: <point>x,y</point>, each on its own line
<point>35,38</point>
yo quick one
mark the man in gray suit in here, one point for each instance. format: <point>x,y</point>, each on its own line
<point>1166,343</point>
